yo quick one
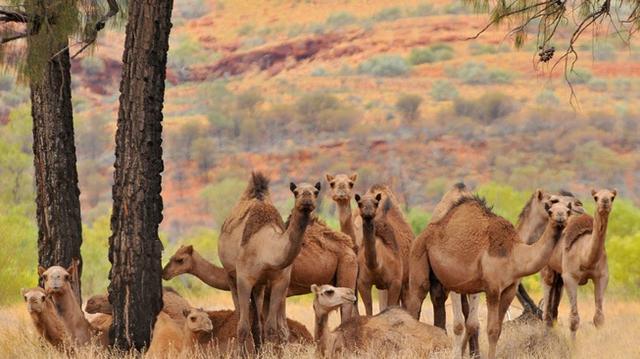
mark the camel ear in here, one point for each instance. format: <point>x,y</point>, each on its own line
<point>41,271</point>
<point>353,177</point>
<point>539,194</point>
<point>318,186</point>
<point>593,192</point>
<point>378,197</point>
<point>314,289</point>
<point>615,192</point>
<point>329,177</point>
<point>292,187</point>
<point>72,268</point>
<point>23,292</point>
<point>189,249</point>
<point>186,312</point>
<point>547,206</point>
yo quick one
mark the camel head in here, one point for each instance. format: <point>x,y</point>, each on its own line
<point>181,262</point>
<point>197,320</point>
<point>558,213</point>
<point>341,186</point>
<point>99,303</point>
<point>328,298</point>
<point>368,204</point>
<point>567,197</point>
<point>305,196</point>
<point>56,278</point>
<point>35,299</point>
<point>604,199</point>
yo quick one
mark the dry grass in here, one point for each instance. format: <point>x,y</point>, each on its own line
<point>616,340</point>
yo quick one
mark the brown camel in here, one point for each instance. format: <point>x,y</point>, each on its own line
<point>257,252</point>
<point>45,317</point>
<point>173,304</point>
<point>581,256</point>
<point>472,250</point>
<point>57,283</point>
<point>390,331</point>
<point>384,259</point>
<point>341,193</point>
<point>188,260</point>
<point>197,329</point>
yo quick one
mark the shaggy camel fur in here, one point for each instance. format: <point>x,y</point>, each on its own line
<point>392,330</point>
<point>57,283</point>
<point>472,250</point>
<point>173,304</point>
<point>45,317</point>
<point>257,252</point>
<point>580,257</point>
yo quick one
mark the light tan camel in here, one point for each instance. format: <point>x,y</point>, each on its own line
<point>384,258</point>
<point>257,252</point>
<point>390,331</point>
<point>581,256</point>
<point>472,250</point>
<point>57,283</point>
<point>197,330</point>
<point>188,260</point>
<point>45,317</point>
<point>341,192</point>
<point>168,339</point>
<point>173,304</point>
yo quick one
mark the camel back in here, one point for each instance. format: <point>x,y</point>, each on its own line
<point>259,215</point>
<point>459,190</point>
<point>318,233</point>
<point>576,228</point>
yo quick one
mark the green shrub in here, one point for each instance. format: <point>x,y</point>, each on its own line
<point>220,197</point>
<point>316,28</point>
<point>384,66</point>
<point>324,112</point>
<point>246,29</point>
<point>318,72</point>
<point>388,14</point>
<point>476,48</point>
<point>93,65</point>
<point>418,219</point>
<point>434,53</point>
<point>421,10</point>
<point>547,97</point>
<point>409,107</point>
<point>443,90</point>
<point>579,76</point>
<point>487,108</point>
<point>192,9</point>
<point>622,88</point>
<point>457,7</point>
<point>340,19</point>
<point>6,82</point>
<point>477,73</point>
<point>253,42</point>
<point>598,85</point>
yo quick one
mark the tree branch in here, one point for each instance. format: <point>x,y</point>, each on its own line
<point>100,24</point>
<point>13,16</point>
<point>4,40</point>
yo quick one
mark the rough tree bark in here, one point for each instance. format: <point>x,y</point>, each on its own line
<point>135,249</point>
<point>58,196</point>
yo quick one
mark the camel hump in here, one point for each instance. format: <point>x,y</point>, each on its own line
<point>385,232</point>
<point>260,214</point>
<point>258,187</point>
<point>576,228</point>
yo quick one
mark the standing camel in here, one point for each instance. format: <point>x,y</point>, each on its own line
<point>472,250</point>
<point>581,256</point>
<point>257,252</point>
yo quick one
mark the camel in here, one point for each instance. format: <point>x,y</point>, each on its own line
<point>197,330</point>
<point>168,337</point>
<point>326,257</point>
<point>472,250</point>
<point>341,193</point>
<point>581,256</point>
<point>173,304</point>
<point>392,330</point>
<point>57,283</point>
<point>257,252</point>
<point>45,317</point>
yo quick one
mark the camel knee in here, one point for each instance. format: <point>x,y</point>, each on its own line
<point>574,320</point>
<point>493,333</point>
<point>473,327</point>
<point>598,319</point>
<point>458,328</point>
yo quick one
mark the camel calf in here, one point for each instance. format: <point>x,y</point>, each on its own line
<point>45,317</point>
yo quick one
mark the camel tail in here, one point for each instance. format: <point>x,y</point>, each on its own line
<point>258,187</point>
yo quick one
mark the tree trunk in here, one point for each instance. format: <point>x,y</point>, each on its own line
<point>135,249</point>
<point>58,196</point>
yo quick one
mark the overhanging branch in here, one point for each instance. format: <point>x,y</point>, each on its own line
<point>99,25</point>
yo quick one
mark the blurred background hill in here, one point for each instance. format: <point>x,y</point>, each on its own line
<point>297,89</point>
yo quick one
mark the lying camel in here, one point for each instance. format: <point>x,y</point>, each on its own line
<point>392,330</point>
<point>173,304</point>
<point>45,317</point>
<point>57,283</point>
<point>168,339</point>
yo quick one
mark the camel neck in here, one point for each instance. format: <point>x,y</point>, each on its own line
<point>533,257</point>
<point>49,324</point>
<point>596,248</point>
<point>369,239</point>
<point>346,219</point>
<point>531,229</point>
<point>295,236</point>
<point>208,272</point>
<point>321,329</point>
<point>71,313</point>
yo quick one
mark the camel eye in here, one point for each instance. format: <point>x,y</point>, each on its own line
<point>66,277</point>
<point>350,184</point>
<point>315,193</point>
<point>555,200</point>
<point>332,184</point>
<point>179,260</point>
<point>329,292</point>
<point>25,298</point>
<point>193,319</point>
<point>596,198</point>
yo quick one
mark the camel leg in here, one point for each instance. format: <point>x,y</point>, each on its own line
<point>571,286</point>
<point>472,324</point>
<point>347,276</point>
<point>458,326</point>
<point>383,299</point>
<point>234,290</point>
<point>418,278</point>
<point>393,294</point>
<point>245,338</point>
<point>600,285</point>
<point>438,299</point>
<point>493,322</point>
<point>556,296</point>
<point>547,287</point>
<point>273,332</point>
<point>527,303</point>
<point>365,293</point>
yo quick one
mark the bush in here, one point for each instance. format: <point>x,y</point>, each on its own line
<point>318,72</point>
<point>476,73</point>
<point>443,90</point>
<point>93,65</point>
<point>193,9</point>
<point>421,10</point>
<point>340,19</point>
<point>622,88</point>
<point>434,53</point>
<point>487,108</point>
<point>253,42</point>
<point>409,107</point>
<point>476,48</point>
<point>324,112</point>
<point>388,14</point>
<point>457,8</point>
<point>6,82</point>
<point>579,76</point>
<point>598,85</point>
<point>547,97</point>
<point>384,66</point>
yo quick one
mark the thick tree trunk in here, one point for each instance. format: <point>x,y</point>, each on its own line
<point>135,249</point>
<point>58,196</point>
